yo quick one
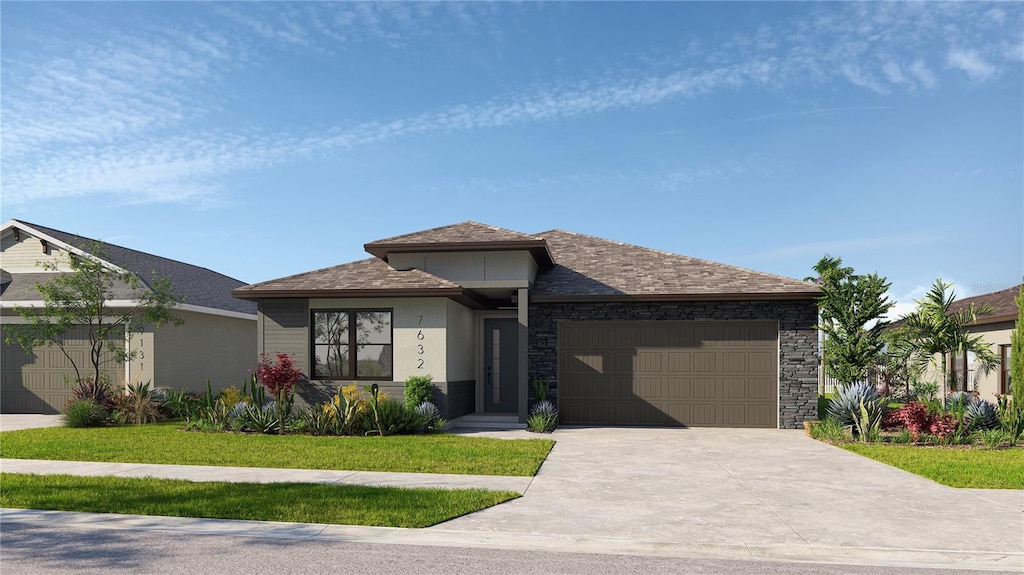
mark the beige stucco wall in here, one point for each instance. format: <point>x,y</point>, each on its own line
<point>25,255</point>
<point>987,384</point>
<point>419,332</point>
<point>473,269</point>
<point>461,350</point>
<point>219,348</point>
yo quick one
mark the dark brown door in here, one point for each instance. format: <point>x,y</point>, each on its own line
<point>681,373</point>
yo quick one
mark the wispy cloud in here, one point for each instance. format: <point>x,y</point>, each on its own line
<point>128,113</point>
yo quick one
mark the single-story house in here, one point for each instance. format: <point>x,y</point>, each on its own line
<point>625,335</point>
<point>217,342</point>
<point>995,328</point>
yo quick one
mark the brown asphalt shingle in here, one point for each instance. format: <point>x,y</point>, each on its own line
<point>591,266</point>
<point>465,232</point>
<point>1002,303</point>
<point>370,274</point>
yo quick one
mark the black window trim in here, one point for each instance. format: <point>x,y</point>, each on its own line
<point>352,345</point>
<point>1004,369</point>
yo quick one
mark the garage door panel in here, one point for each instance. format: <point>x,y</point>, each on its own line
<point>670,373</point>
<point>680,387</point>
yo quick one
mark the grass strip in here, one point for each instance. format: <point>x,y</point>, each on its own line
<point>291,502</point>
<point>973,468</point>
<point>166,443</point>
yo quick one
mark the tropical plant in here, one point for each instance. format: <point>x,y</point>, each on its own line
<point>993,438</point>
<point>982,415</point>
<point>431,416</point>
<point>845,406</point>
<point>278,379</point>
<point>1011,417</point>
<point>828,430</point>
<point>136,404</point>
<point>541,388</point>
<point>83,297</point>
<point>320,419</point>
<point>958,401</point>
<point>392,417</point>
<point>180,404</point>
<point>849,304</point>
<point>543,417</point>
<point>1017,354</point>
<point>98,390</point>
<point>85,412</point>
<point>262,418</point>
<point>924,390</point>
<point>418,389</point>
<point>935,330</point>
<point>868,420</point>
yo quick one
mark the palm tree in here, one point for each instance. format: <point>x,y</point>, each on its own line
<point>934,329</point>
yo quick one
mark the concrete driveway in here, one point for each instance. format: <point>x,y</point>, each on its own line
<point>776,493</point>
<point>15,421</point>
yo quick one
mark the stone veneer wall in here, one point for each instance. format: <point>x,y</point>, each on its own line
<point>798,340</point>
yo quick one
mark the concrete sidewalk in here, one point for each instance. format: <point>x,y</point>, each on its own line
<point>263,475</point>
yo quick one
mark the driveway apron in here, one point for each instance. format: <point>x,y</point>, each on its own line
<point>753,488</point>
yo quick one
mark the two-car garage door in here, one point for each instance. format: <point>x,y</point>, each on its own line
<point>677,373</point>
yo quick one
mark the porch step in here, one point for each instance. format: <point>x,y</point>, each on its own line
<point>487,421</point>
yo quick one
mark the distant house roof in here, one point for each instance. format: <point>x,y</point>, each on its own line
<point>574,267</point>
<point>197,286</point>
<point>465,236</point>
<point>588,267</point>
<point>1004,308</point>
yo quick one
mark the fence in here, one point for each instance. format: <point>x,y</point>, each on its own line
<point>828,384</point>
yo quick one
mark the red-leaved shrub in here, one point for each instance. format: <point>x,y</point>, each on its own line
<point>942,425</point>
<point>278,378</point>
<point>914,416</point>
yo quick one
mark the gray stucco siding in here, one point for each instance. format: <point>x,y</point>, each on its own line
<point>798,340</point>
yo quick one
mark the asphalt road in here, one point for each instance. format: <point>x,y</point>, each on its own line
<point>27,549</point>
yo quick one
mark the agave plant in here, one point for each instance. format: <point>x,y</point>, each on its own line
<point>844,408</point>
<point>543,417</point>
<point>958,401</point>
<point>262,418</point>
<point>868,419</point>
<point>430,415</point>
<point>982,415</point>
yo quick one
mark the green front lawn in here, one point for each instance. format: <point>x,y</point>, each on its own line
<point>166,443</point>
<point>292,502</point>
<point>975,468</point>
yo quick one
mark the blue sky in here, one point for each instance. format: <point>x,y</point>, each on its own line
<point>262,140</point>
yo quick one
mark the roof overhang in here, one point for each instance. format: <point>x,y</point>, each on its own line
<point>808,296</point>
<point>459,295</point>
<point>987,319</point>
<point>537,248</point>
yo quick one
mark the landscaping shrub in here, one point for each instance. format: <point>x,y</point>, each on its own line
<point>418,390</point>
<point>868,420</point>
<point>924,390</point>
<point>279,378</point>
<point>958,401</point>
<point>541,388</point>
<point>846,405</point>
<point>543,417</point>
<point>1011,417</point>
<point>262,418</point>
<point>136,405</point>
<point>982,415</point>
<point>993,438</point>
<point>232,395</point>
<point>915,418</point>
<point>430,415</point>
<point>394,418</point>
<point>84,412</point>
<point>828,430</point>
<point>99,391</point>
<point>180,404</point>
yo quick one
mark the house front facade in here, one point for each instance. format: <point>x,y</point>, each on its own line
<point>995,328</point>
<point>217,342</point>
<point>624,335</point>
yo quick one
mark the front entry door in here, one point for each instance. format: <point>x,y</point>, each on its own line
<point>501,365</point>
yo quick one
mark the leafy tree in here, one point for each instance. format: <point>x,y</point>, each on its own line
<point>279,378</point>
<point>935,330</point>
<point>848,305</point>
<point>82,297</point>
<point>1017,352</point>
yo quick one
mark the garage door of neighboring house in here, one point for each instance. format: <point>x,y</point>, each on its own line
<point>41,382</point>
<point>669,373</point>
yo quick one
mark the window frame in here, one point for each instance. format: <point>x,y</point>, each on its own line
<point>1004,369</point>
<point>353,345</point>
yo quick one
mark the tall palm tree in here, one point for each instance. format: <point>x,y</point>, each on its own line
<point>934,329</point>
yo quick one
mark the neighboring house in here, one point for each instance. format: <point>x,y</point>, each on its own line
<point>216,342</point>
<point>995,328</point>
<point>626,335</point>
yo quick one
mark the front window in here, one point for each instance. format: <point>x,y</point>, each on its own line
<point>1005,381</point>
<point>352,344</point>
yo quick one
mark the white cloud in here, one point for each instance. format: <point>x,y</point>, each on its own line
<point>972,63</point>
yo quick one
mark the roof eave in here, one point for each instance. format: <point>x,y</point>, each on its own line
<point>460,295</point>
<point>789,296</point>
<point>537,248</point>
<point>987,319</point>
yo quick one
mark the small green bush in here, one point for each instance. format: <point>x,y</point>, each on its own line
<point>136,405</point>
<point>84,413</point>
<point>993,438</point>
<point>828,429</point>
<point>418,389</point>
<point>543,417</point>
